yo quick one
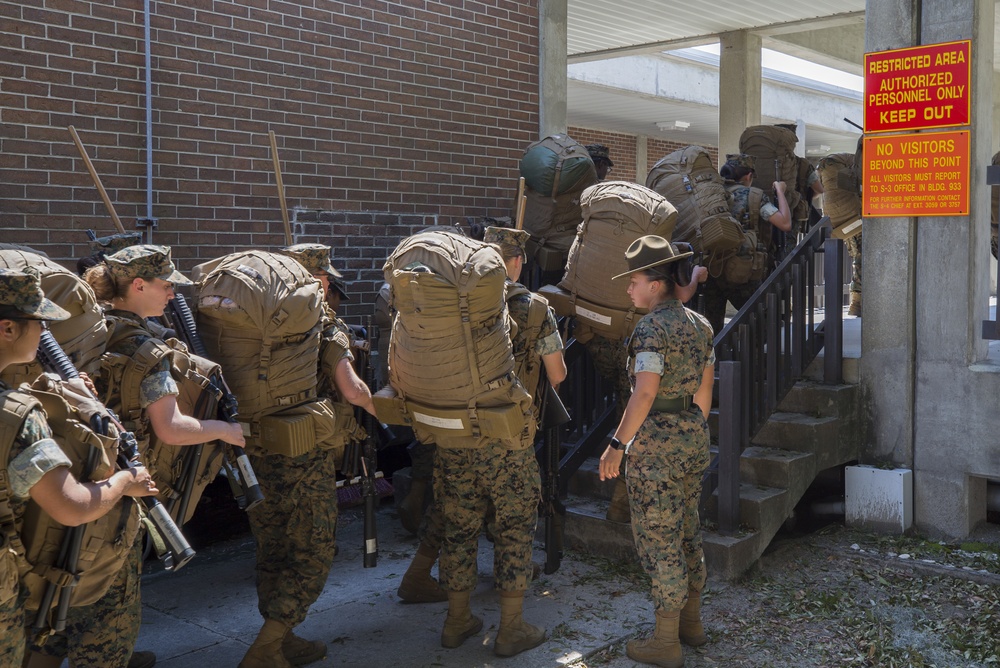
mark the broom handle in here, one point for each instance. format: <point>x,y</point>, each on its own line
<point>520,211</point>
<point>281,189</point>
<point>97,180</point>
<point>519,203</point>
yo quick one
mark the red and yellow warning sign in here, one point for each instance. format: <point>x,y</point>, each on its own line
<point>916,175</point>
<point>918,88</point>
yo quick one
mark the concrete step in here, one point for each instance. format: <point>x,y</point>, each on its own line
<point>729,557</point>
<point>759,506</point>
<point>588,531</point>
<point>586,482</point>
<point>774,467</point>
<point>833,440</point>
<point>814,398</point>
<point>850,369</point>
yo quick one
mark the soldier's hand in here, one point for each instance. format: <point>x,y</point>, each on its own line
<point>141,483</point>
<point>611,462</point>
<point>234,434</point>
<point>779,186</point>
<point>699,274</point>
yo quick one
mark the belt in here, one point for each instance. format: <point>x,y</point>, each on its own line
<point>670,405</point>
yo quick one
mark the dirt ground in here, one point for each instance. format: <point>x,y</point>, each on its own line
<point>842,597</point>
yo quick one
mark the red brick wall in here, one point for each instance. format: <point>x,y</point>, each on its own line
<point>386,113</point>
<point>622,149</point>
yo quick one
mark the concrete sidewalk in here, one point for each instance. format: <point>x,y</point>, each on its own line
<point>206,614</point>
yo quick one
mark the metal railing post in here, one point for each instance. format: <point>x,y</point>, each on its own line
<point>730,446</point>
<point>833,328</point>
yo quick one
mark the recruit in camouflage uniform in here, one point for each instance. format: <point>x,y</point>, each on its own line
<point>105,632</point>
<point>854,250</point>
<point>295,528</point>
<point>670,453</point>
<point>716,290</point>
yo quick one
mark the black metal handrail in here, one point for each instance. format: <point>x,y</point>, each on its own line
<point>764,350</point>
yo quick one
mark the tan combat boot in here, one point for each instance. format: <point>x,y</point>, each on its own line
<point>461,624</point>
<point>619,511</point>
<point>663,648</point>
<point>265,652</point>
<point>300,652</point>
<point>855,307</point>
<point>418,586</point>
<point>515,635</point>
<point>411,508</point>
<point>691,632</point>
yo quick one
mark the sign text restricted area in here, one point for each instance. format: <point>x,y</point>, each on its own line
<point>916,175</point>
<point>917,88</point>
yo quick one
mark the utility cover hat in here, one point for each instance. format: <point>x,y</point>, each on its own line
<point>113,243</point>
<point>599,152</point>
<point>507,236</point>
<point>314,257</point>
<point>648,252</point>
<point>146,262</point>
<point>22,290</point>
<point>744,160</point>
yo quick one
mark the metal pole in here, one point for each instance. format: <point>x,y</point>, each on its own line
<point>833,328</point>
<point>730,419</point>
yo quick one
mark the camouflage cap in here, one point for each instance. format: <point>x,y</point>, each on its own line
<point>113,243</point>
<point>507,236</point>
<point>742,160</point>
<point>22,290</point>
<point>599,152</point>
<point>314,257</point>
<point>144,262</point>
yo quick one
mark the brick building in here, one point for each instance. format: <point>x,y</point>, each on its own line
<point>388,116</point>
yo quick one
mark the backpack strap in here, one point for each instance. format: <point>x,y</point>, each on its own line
<point>130,371</point>
<point>14,409</point>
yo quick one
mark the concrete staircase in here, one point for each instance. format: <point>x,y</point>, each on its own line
<point>815,428</point>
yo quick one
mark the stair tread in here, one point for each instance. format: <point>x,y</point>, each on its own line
<point>802,418</point>
<point>776,454</point>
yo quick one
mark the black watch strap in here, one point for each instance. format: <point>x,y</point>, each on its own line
<point>616,444</point>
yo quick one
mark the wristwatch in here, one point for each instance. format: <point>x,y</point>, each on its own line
<point>616,444</point>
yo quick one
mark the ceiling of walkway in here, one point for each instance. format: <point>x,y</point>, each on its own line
<point>829,33</point>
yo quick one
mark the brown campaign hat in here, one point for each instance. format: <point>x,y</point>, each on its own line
<point>648,252</point>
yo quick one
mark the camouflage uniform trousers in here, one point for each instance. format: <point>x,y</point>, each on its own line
<point>12,622</point>
<point>103,633</point>
<point>664,472</point>
<point>717,292</point>
<point>431,531</point>
<point>854,250</point>
<point>295,531</point>
<point>466,482</point>
<point>609,357</point>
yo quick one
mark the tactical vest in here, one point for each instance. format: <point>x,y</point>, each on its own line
<point>527,364</point>
<point>197,397</point>
<point>34,542</point>
<point>451,365</point>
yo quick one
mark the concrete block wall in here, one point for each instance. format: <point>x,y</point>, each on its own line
<point>395,110</point>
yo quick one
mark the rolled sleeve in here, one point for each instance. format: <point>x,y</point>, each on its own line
<point>35,461</point>
<point>649,362</point>
<point>156,386</point>
<point>548,345</point>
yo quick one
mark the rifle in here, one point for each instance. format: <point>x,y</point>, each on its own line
<point>553,417</point>
<point>369,457</point>
<point>53,359</point>
<point>242,480</point>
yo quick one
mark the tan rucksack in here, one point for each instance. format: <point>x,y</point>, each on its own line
<point>260,315</point>
<point>616,213</point>
<point>687,178</point>
<point>107,541</point>
<point>451,365</point>
<point>82,336</point>
<point>841,198</point>
<point>197,398</point>
<point>773,148</point>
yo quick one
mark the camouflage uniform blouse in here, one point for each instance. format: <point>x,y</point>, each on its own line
<point>740,204</point>
<point>675,343</point>
<point>548,340</point>
<point>158,383</point>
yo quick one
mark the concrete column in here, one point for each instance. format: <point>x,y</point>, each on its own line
<point>552,48</point>
<point>739,88</point>
<point>641,158</point>
<point>926,293</point>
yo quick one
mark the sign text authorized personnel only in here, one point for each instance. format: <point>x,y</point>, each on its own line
<point>917,88</point>
<point>916,175</point>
